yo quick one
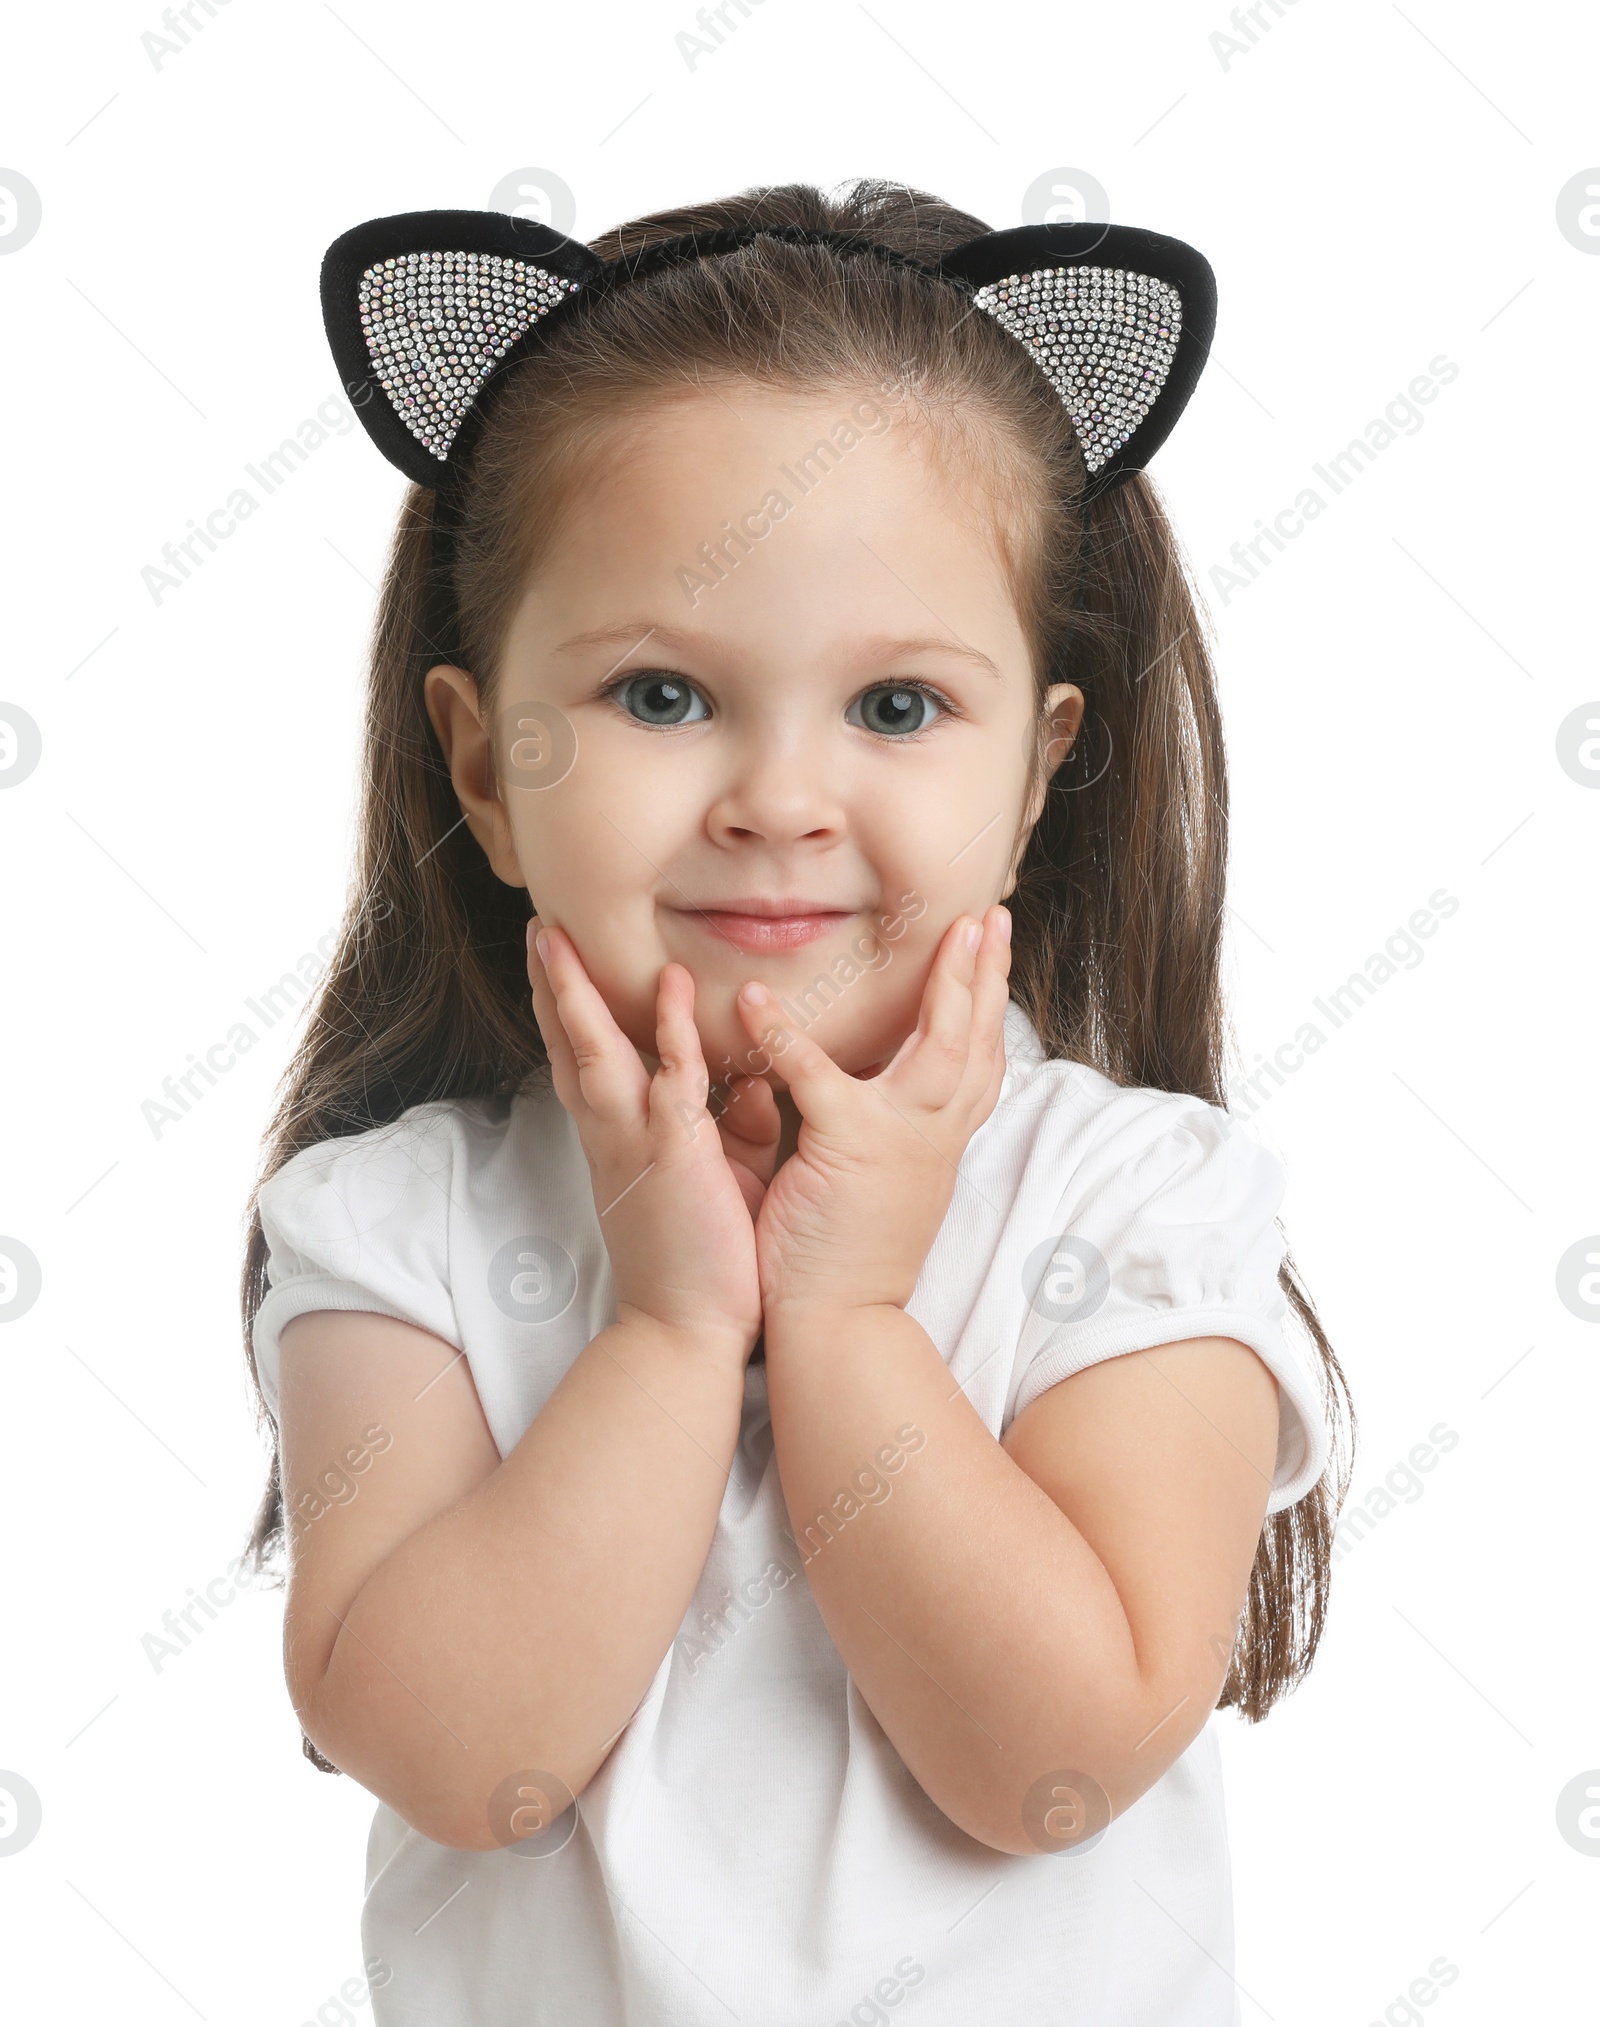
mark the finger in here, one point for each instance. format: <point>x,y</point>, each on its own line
<point>988,992</point>
<point>679,1086</point>
<point>557,1043</point>
<point>821,1090</point>
<point>991,992</point>
<point>991,996</point>
<point>932,1069</point>
<point>610,1077</point>
<point>563,1070</point>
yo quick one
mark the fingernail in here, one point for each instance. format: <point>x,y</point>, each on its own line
<point>753,994</point>
<point>541,944</point>
<point>972,935</point>
<point>1005,923</point>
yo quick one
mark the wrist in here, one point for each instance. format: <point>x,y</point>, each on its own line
<point>812,1317</point>
<point>718,1342</point>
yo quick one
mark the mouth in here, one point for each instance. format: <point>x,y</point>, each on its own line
<point>767,926</point>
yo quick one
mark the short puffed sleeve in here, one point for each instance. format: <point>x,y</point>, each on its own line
<point>360,1223</point>
<point>1167,1231</point>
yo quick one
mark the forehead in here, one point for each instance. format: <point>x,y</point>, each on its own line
<point>742,510</point>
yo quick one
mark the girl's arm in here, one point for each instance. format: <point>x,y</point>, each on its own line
<point>453,1619</point>
<point>1063,1601</point>
<point>458,1622</point>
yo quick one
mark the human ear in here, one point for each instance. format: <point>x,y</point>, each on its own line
<point>451,696</point>
<point>1063,708</point>
<point>1063,714</point>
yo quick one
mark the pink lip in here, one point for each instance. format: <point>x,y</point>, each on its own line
<point>763,932</point>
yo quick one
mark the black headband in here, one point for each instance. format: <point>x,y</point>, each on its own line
<point>428,311</point>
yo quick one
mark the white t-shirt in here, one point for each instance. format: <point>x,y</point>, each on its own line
<point>753,1848</point>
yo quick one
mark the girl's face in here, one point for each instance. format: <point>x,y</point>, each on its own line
<point>771,668</point>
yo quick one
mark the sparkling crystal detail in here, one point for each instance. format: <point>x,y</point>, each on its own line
<point>1104,337</point>
<point>436,323</point>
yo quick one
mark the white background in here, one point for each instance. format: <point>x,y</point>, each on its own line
<point>1374,187</point>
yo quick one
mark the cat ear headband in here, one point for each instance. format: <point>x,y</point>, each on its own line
<point>427,311</point>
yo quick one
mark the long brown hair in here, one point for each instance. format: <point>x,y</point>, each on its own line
<point>1119,902</point>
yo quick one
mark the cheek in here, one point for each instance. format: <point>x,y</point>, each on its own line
<point>593,883</point>
<point>936,854</point>
<point>585,855</point>
<point>948,823</point>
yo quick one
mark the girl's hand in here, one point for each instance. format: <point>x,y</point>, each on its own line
<point>850,1216</point>
<point>676,1217</point>
<point>751,1128</point>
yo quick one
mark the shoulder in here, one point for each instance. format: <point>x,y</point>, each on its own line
<point>348,1187</point>
<point>1082,1136</point>
<point>1145,1217</point>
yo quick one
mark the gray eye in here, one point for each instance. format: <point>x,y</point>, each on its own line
<point>657,698</point>
<point>893,709</point>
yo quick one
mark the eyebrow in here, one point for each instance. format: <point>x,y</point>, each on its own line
<point>880,647</point>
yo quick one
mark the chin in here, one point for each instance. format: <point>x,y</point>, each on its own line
<point>859,1061</point>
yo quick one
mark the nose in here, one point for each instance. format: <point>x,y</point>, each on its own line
<point>779,791</point>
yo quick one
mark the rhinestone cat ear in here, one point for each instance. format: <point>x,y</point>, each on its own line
<point>424,308</point>
<point>1120,321</point>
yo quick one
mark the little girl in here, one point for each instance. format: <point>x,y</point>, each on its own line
<point>784,1429</point>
